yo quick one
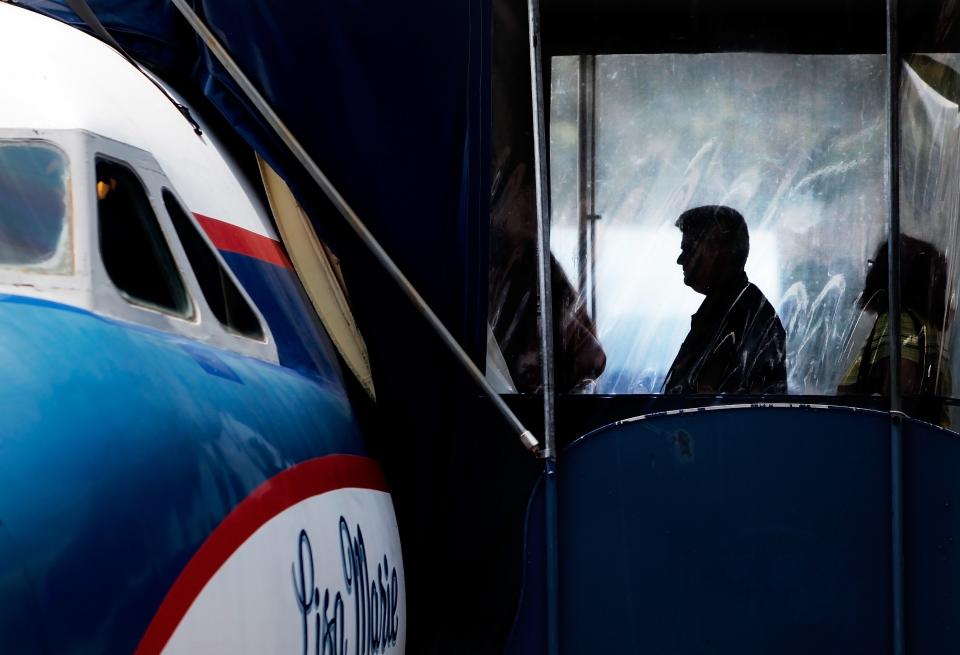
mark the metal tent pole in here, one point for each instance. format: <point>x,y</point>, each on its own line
<point>546,332</point>
<point>893,315</point>
<point>587,147</point>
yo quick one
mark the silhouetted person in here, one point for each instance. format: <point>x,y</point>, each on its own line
<point>736,342</point>
<point>924,367</point>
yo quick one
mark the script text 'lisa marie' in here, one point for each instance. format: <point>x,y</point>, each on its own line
<point>374,607</point>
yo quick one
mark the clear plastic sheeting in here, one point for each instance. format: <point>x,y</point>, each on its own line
<point>513,347</point>
<point>930,216</point>
<point>793,143</point>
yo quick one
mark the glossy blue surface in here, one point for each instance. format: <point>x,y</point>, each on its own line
<point>121,448</point>
<point>753,530</point>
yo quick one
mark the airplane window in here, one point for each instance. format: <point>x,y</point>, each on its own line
<point>135,253</point>
<point>782,154</point>
<point>223,296</point>
<point>33,208</point>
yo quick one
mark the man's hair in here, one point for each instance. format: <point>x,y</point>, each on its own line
<point>723,226</point>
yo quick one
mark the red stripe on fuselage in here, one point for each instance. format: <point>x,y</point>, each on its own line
<point>229,237</point>
<point>296,484</point>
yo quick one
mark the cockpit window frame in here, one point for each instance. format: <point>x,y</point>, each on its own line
<point>224,269</point>
<point>70,284</point>
<point>202,325</point>
<point>87,286</point>
<point>63,262</point>
<point>161,258</point>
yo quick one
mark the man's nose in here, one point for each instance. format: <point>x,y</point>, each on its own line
<point>682,258</point>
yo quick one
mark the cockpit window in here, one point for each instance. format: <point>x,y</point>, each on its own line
<point>135,253</point>
<point>34,208</point>
<point>222,295</point>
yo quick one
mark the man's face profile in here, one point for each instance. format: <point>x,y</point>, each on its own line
<point>699,257</point>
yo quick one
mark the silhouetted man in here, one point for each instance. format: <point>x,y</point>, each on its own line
<point>736,342</point>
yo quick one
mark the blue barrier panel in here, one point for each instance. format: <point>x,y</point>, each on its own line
<point>932,554</point>
<point>729,530</point>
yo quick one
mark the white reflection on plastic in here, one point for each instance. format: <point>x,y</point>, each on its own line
<point>930,178</point>
<point>793,142</point>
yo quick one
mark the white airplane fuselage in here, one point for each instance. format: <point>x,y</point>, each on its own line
<point>182,468</point>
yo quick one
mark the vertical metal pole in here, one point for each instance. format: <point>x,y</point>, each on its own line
<point>587,151</point>
<point>543,231</point>
<point>594,216</point>
<point>893,201</point>
<point>593,271</point>
<point>549,452</point>
<point>893,284</point>
<point>552,555</point>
